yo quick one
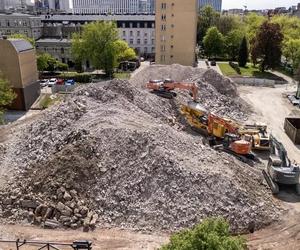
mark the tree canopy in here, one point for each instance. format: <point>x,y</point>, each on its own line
<point>99,44</point>
<point>213,42</point>
<point>46,62</point>
<point>232,43</point>
<point>212,234</point>
<point>266,46</point>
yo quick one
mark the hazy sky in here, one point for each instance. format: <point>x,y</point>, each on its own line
<point>258,4</point>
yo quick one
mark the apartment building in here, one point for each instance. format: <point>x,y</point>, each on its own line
<point>176,25</point>
<point>18,64</point>
<point>17,23</point>
<point>137,30</point>
<point>216,4</point>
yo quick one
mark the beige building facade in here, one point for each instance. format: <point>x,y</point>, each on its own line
<point>18,64</point>
<point>176,28</point>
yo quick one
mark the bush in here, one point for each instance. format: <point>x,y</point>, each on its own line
<point>235,66</point>
<point>211,234</point>
<point>77,77</point>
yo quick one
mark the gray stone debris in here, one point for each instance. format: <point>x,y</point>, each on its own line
<point>108,155</point>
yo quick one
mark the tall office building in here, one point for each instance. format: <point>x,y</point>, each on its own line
<point>106,6</point>
<point>10,4</point>
<point>216,4</point>
<point>175,31</point>
<point>147,6</point>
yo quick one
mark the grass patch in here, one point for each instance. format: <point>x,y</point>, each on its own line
<point>248,71</point>
<point>122,75</point>
<point>48,100</point>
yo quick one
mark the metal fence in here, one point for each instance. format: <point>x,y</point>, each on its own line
<point>39,245</point>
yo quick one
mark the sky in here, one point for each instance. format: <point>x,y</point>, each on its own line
<point>258,4</point>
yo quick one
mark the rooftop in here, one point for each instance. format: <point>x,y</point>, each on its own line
<point>53,40</point>
<point>21,45</point>
<point>98,18</point>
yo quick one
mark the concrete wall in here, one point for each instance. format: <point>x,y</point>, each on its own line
<point>257,81</point>
<point>176,27</point>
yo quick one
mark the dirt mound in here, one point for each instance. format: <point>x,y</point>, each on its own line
<point>109,155</point>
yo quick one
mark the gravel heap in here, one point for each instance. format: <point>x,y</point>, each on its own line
<point>111,155</point>
<point>216,93</point>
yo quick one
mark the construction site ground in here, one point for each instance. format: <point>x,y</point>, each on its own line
<point>269,106</point>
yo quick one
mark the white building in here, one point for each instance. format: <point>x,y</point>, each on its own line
<point>106,6</point>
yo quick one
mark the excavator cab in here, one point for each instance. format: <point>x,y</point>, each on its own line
<point>236,144</point>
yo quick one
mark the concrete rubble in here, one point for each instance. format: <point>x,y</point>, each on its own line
<point>109,155</point>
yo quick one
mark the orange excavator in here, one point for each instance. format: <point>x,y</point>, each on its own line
<point>165,88</point>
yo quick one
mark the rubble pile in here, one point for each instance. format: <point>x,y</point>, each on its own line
<point>111,155</point>
<point>216,93</point>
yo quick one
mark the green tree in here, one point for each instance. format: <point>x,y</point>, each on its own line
<point>212,234</point>
<point>46,62</point>
<point>243,53</point>
<point>252,23</point>
<point>232,43</point>
<point>213,42</point>
<point>7,95</point>
<point>99,44</point>
<point>124,52</point>
<point>207,18</point>
<point>290,26</point>
<point>267,46</point>
<point>21,36</point>
<point>291,51</point>
<point>229,23</point>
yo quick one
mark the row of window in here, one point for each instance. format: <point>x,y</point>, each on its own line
<point>163,47</point>
<point>139,25</point>
<point>164,5</point>
<point>138,33</point>
<point>19,23</point>
<point>163,58</point>
<point>138,41</point>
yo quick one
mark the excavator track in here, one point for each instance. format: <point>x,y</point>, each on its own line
<point>164,94</point>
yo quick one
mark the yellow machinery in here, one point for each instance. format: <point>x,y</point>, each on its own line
<point>199,118</point>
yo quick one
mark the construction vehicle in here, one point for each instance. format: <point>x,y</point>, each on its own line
<point>200,119</point>
<point>165,88</point>
<point>260,136</point>
<point>280,170</point>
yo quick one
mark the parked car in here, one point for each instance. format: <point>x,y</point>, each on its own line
<point>44,82</point>
<point>52,82</point>
<point>213,63</point>
<point>60,82</point>
<point>70,82</point>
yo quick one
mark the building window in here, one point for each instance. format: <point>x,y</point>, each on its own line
<point>146,50</point>
<point>162,58</point>
<point>145,41</point>
<point>152,41</point>
<point>123,25</point>
<point>172,46</point>
<point>138,41</point>
<point>138,33</point>
<point>163,38</point>
<point>131,41</point>
<point>153,25</point>
<point>172,25</point>
<point>146,25</point>
<point>172,36</point>
<point>138,25</point>
<point>164,6</point>
<point>153,49</point>
<point>130,25</point>
<point>163,48</point>
<point>124,33</point>
<point>171,56</point>
<point>163,27</point>
<point>163,17</point>
<point>131,33</point>
<point>62,50</point>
